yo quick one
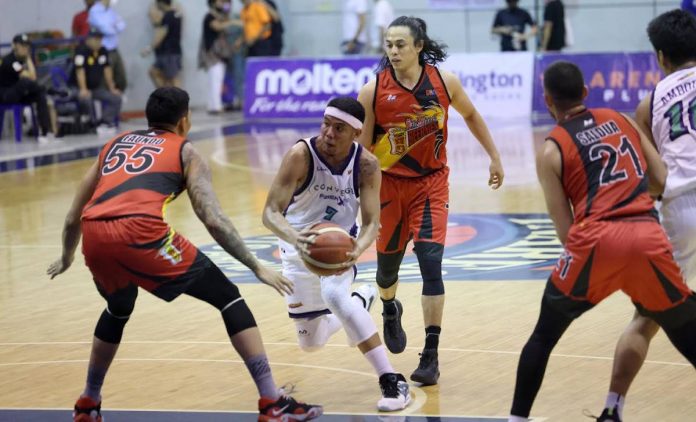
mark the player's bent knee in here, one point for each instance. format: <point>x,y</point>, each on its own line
<point>237,317</point>
<point>388,269</point>
<point>110,327</point>
<point>430,261</point>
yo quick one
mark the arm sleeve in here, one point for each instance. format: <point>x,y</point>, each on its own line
<point>498,21</point>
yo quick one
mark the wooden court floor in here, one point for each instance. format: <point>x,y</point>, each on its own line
<point>177,357</point>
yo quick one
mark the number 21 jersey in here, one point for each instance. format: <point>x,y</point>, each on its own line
<point>603,167</point>
<point>674,129</point>
<point>140,173</point>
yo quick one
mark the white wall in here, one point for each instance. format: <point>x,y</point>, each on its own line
<point>313,29</point>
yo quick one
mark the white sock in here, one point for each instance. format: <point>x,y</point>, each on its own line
<point>615,400</point>
<point>378,359</point>
<point>513,418</point>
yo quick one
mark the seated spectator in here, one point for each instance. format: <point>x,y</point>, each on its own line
<point>80,27</point>
<point>167,46</point>
<point>92,77</point>
<point>257,28</point>
<point>18,84</point>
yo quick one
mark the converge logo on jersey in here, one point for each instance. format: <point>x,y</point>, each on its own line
<point>301,87</point>
<point>478,247</point>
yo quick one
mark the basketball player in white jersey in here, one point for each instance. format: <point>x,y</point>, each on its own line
<point>668,117</point>
<point>329,178</point>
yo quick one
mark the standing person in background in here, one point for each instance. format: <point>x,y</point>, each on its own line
<point>354,26</point>
<point>215,50</point>
<point>80,26</point>
<point>406,110</point>
<point>103,17</point>
<point>383,15</point>
<point>554,32</point>
<point>166,44</point>
<point>257,28</point>
<point>277,28</point>
<point>510,24</point>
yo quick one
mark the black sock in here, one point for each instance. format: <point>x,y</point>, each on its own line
<point>389,305</point>
<point>432,337</point>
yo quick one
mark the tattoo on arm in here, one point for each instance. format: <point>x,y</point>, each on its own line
<point>208,209</point>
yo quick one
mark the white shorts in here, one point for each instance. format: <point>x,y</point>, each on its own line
<point>679,221</point>
<point>306,300</point>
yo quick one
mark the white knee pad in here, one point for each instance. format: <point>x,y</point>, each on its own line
<point>356,320</point>
<point>312,334</point>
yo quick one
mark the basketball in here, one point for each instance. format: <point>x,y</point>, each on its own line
<point>329,249</point>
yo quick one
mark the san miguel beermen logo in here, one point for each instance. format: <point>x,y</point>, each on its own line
<point>479,247</point>
<point>401,138</point>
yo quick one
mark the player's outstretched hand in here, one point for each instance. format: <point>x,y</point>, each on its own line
<point>275,280</point>
<point>59,266</point>
<point>495,180</point>
<point>304,239</point>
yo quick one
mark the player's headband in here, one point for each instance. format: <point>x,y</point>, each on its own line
<point>353,121</point>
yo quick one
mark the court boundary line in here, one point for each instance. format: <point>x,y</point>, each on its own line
<point>395,414</point>
<point>285,344</point>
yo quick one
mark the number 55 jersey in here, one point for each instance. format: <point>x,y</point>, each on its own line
<point>125,239</point>
<point>140,173</point>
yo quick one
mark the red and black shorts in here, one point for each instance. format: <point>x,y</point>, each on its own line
<point>413,208</point>
<point>631,254</point>
<point>141,251</point>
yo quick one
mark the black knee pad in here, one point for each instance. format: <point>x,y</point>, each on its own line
<point>237,317</point>
<point>388,268</point>
<point>430,261</point>
<point>110,327</point>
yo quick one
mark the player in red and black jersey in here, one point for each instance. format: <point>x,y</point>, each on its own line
<point>597,171</point>
<point>119,209</point>
<point>406,111</point>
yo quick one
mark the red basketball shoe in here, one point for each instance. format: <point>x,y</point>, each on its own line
<point>287,409</point>
<point>87,410</point>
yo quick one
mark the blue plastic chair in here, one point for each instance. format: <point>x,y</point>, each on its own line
<point>17,110</point>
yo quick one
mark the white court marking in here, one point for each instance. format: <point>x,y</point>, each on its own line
<point>287,344</point>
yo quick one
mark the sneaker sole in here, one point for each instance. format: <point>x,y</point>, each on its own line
<point>396,348</point>
<point>314,413</point>
<point>424,379</point>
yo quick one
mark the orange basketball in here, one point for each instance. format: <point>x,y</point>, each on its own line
<point>329,249</point>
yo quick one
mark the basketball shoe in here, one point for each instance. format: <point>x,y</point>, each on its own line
<point>287,409</point>
<point>428,370</point>
<point>609,415</point>
<point>394,334</point>
<point>87,410</point>
<point>395,393</point>
<point>367,292</point>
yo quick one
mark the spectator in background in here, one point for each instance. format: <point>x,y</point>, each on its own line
<point>553,37</point>
<point>215,49</point>
<point>510,23</point>
<point>236,64</point>
<point>18,84</point>
<point>93,79</point>
<point>257,28</point>
<point>166,44</point>
<point>354,23</point>
<point>689,6</point>
<point>277,29</point>
<point>104,18</point>
<point>80,27</point>
<point>383,15</point>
